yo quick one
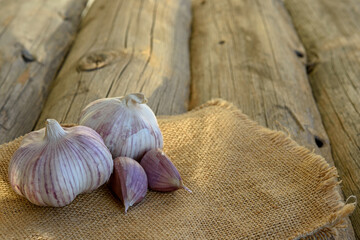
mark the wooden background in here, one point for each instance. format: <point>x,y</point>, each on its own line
<point>290,65</point>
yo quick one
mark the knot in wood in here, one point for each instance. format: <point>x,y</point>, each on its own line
<point>96,60</point>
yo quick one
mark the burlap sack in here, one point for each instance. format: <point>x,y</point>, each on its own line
<point>248,182</point>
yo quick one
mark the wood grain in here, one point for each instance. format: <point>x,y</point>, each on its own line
<point>330,31</point>
<point>126,46</point>
<point>34,38</point>
<point>248,52</point>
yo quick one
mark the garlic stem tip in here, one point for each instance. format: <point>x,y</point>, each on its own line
<point>50,121</point>
<point>53,129</point>
<point>138,98</point>
<point>186,188</point>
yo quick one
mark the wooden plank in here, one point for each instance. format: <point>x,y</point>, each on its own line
<point>330,31</point>
<point>126,46</point>
<point>34,38</point>
<point>248,52</point>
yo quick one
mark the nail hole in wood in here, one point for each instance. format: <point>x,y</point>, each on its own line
<point>319,142</point>
<point>310,67</point>
<point>26,56</point>
<point>299,54</point>
<point>203,2</point>
<point>221,42</point>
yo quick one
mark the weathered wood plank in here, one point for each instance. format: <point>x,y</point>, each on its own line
<point>126,46</point>
<point>330,31</point>
<point>34,37</point>
<point>248,52</point>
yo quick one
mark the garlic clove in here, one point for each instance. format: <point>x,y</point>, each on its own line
<point>161,173</point>
<point>54,164</point>
<point>128,181</point>
<point>127,125</point>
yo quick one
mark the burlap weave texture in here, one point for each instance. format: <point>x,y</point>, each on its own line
<point>248,182</point>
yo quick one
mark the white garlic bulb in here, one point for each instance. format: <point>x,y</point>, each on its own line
<point>54,164</point>
<point>127,125</point>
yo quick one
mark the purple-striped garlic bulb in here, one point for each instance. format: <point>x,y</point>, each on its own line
<point>54,164</point>
<point>127,125</point>
<point>128,181</point>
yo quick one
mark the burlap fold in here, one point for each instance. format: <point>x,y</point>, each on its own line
<point>248,182</point>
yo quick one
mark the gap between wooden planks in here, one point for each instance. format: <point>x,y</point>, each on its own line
<point>330,32</point>
<point>34,38</point>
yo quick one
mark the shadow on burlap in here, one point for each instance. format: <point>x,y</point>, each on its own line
<point>248,182</point>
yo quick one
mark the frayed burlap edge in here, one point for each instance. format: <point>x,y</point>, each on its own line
<point>329,187</point>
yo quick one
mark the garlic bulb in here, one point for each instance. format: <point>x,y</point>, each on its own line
<point>54,164</point>
<point>128,181</point>
<point>161,173</point>
<point>127,125</point>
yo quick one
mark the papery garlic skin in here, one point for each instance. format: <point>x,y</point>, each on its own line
<point>161,172</point>
<point>54,164</point>
<point>127,125</point>
<point>128,181</point>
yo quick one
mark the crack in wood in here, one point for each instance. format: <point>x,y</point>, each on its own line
<point>292,114</point>
<point>151,40</point>
<point>121,72</point>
